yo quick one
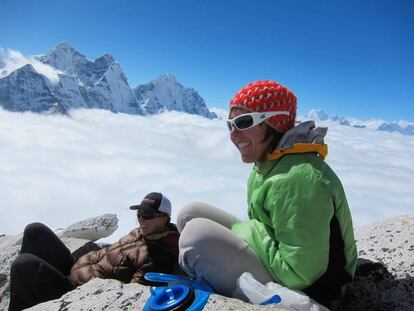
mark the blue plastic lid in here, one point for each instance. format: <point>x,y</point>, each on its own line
<point>167,278</point>
<point>273,299</point>
<point>164,278</point>
<point>169,297</point>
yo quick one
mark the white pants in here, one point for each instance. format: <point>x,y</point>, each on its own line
<point>211,252</point>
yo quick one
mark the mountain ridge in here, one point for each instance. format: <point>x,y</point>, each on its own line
<point>402,126</point>
<point>73,81</point>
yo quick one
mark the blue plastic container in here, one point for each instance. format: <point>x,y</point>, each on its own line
<point>179,293</point>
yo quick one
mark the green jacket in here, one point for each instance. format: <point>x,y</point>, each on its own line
<point>299,221</point>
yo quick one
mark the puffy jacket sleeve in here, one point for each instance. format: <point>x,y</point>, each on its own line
<point>162,257</point>
<point>138,276</point>
<point>292,236</point>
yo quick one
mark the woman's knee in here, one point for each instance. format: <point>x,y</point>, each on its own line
<point>204,238</point>
<point>193,243</point>
<point>188,212</point>
<point>193,233</point>
<point>204,210</point>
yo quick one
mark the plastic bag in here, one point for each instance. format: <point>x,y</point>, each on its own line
<point>275,293</point>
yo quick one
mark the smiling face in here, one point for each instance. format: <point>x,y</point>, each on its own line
<point>251,143</point>
<point>154,225</point>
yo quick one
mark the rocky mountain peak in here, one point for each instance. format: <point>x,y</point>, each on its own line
<point>99,83</point>
<point>25,89</point>
<point>166,78</point>
<point>63,57</point>
<point>166,93</point>
<point>317,115</point>
<point>64,47</point>
<point>26,69</point>
<point>105,60</point>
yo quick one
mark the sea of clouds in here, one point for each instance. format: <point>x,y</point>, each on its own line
<point>60,169</point>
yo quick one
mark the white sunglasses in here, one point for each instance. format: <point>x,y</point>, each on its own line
<point>248,120</point>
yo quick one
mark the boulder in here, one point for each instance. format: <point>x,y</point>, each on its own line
<point>93,228</point>
<point>384,278</point>
<point>390,242</point>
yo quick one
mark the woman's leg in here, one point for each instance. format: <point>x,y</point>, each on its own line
<point>33,280</point>
<point>211,252</point>
<point>203,210</point>
<point>42,242</point>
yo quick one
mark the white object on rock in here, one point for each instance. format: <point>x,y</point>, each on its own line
<point>92,228</point>
<point>290,299</point>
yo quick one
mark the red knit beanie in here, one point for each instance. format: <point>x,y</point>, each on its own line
<point>266,95</point>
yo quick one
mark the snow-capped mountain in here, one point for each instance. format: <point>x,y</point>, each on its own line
<point>78,82</point>
<point>403,127</point>
<point>166,92</point>
<point>24,89</point>
<point>317,115</point>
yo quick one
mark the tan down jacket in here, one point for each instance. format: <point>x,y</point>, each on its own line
<point>130,258</point>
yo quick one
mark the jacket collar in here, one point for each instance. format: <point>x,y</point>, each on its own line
<point>158,236</point>
<point>302,138</point>
<point>320,149</point>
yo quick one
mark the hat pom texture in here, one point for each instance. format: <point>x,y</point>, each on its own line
<point>267,95</point>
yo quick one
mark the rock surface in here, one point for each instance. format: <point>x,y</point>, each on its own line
<point>390,242</point>
<point>92,228</point>
<point>384,279</point>
<point>99,294</point>
<point>385,276</point>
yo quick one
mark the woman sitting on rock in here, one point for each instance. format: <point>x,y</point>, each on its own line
<point>46,269</point>
<point>299,233</point>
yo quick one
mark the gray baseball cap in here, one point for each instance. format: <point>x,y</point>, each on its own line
<point>154,201</point>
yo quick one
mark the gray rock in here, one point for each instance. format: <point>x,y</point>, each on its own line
<point>98,294</point>
<point>6,258</point>
<point>385,275</point>
<point>92,228</point>
<point>7,241</point>
<point>390,242</point>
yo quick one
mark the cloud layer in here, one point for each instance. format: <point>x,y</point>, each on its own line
<point>59,170</point>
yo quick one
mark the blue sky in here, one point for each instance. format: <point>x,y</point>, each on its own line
<point>353,58</point>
